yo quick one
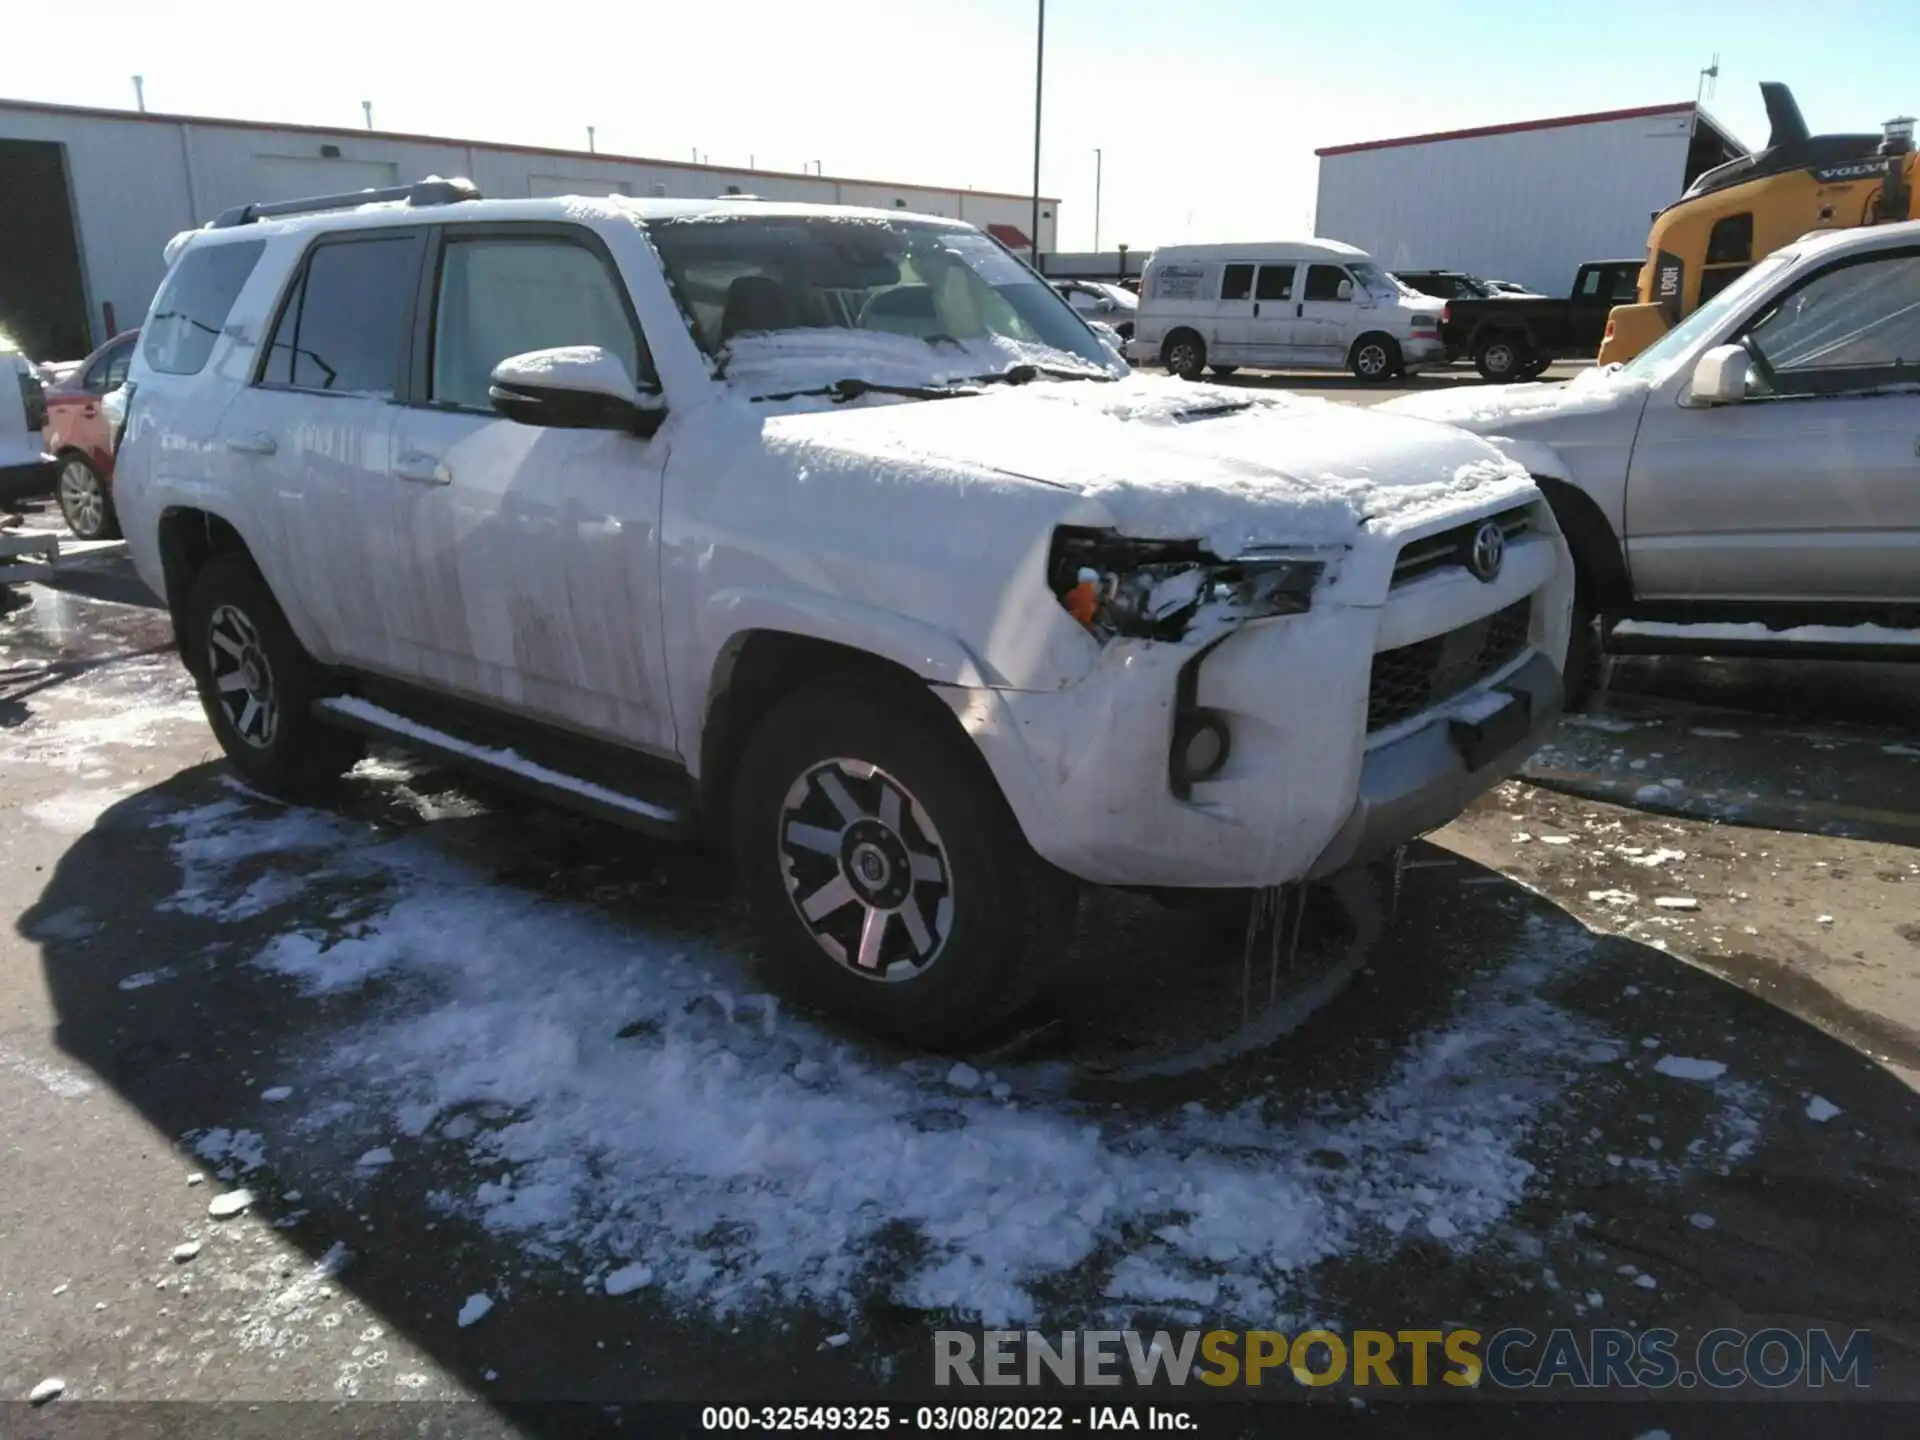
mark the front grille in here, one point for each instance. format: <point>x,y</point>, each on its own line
<point>1419,676</point>
<point>1451,547</point>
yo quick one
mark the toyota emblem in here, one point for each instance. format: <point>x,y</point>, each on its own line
<point>1488,552</point>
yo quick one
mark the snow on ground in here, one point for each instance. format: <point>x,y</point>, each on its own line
<point>1753,630</point>
<point>74,722</point>
<point>644,1118</point>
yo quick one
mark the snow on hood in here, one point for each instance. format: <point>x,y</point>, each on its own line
<point>1486,408</point>
<point>785,361</point>
<point>1234,469</point>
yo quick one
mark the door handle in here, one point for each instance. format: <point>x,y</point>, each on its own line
<point>422,469</point>
<point>1300,311</point>
<point>1256,309</point>
<point>256,443</point>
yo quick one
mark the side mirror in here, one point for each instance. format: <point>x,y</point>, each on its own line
<point>1344,291</point>
<point>574,387</point>
<point>1720,377</point>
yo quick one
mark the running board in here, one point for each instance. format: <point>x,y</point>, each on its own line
<point>509,768</point>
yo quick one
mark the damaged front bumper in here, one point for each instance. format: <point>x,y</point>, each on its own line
<point>1422,780</point>
<point>1315,778</point>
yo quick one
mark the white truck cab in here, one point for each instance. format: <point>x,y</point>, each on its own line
<point>831,537</point>
<point>1281,305</point>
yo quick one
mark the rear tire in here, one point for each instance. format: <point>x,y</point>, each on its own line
<point>888,879</point>
<point>258,685</point>
<point>1184,354</point>
<point>1375,358</point>
<point>85,501</point>
<point>1501,359</point>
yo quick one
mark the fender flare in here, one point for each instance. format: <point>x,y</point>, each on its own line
<point>1599,561</point>
<point>934,655</point>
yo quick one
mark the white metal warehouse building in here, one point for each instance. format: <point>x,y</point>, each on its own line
<point>1526,202</point>
<point>91,197</point>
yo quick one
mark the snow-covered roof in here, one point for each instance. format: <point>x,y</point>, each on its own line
<point>1261,250</point>
<point>563,207</point>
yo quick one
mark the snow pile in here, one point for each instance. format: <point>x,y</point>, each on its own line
<point>645,1117</point>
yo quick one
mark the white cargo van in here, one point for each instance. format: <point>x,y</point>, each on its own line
<point>1283,305</point>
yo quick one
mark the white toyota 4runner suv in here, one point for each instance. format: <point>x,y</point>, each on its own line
<point>829,536</point>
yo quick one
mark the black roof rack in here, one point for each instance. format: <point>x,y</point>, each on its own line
<point>420,193</point>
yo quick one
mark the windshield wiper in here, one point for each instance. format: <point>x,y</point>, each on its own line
<point>1025,374</point>
<point>853,387</point>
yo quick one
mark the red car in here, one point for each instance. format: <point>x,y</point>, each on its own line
<point>77,436</point>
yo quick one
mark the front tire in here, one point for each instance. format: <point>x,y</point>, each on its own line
<point>85,502</point>
<point>888,879</point>
<point>257,684</point>
<point>1184,354</point>
<point>1375,358</point>
<point>1586,653</point>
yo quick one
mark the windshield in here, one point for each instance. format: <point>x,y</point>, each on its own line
<point>928,302</point>
<point>1654,361</point>
<point>1375,281</point>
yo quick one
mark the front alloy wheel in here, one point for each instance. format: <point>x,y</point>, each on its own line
<point>866,870</point>
<point>242,677</point>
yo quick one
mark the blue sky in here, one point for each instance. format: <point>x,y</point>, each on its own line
<point>1207,111</point>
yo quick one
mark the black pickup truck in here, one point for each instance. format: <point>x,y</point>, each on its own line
<point>1515,339</point>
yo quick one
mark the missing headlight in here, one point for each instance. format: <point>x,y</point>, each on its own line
<point>1153,589</point>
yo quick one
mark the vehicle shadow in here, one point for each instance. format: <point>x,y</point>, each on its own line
<point>1810,1221</point>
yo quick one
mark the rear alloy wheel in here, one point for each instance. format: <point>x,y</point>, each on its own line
<point>1375,358</point>
<point>888,879</point>
<point>84,501</point>
<point>1501,359</point>
<point>1184,354</point>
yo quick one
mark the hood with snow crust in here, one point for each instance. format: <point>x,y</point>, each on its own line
<point>1232,468</point>
<point>1500,409</point>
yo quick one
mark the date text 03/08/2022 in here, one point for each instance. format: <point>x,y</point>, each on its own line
<point>933,1419</point>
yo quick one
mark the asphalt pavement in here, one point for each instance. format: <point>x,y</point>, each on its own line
<point>1634,1042</point>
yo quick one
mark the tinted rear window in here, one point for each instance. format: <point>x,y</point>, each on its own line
<point>344,325</point>
<point>193,305</point>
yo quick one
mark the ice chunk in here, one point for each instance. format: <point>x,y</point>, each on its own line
<point>628,1278</point>
<point>1821,1110</point>
<point>475,1310</point>
<point>276,1094</point>
<point>1681,1067</point>
<point>225,1207</point>
<point>49,1389</point>
<point>963,1076</point>
<point>185,1252</point>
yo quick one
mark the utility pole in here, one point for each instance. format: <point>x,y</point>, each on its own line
<point>1039,81</point>
<point>140,93</point>
<point>366,108</point>
<point>590,149</point>
<point>1708,77</point>
<point>1096,200</point>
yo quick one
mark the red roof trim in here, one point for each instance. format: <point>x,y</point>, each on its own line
<point>348,133</point>
<point>1598,117</point>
